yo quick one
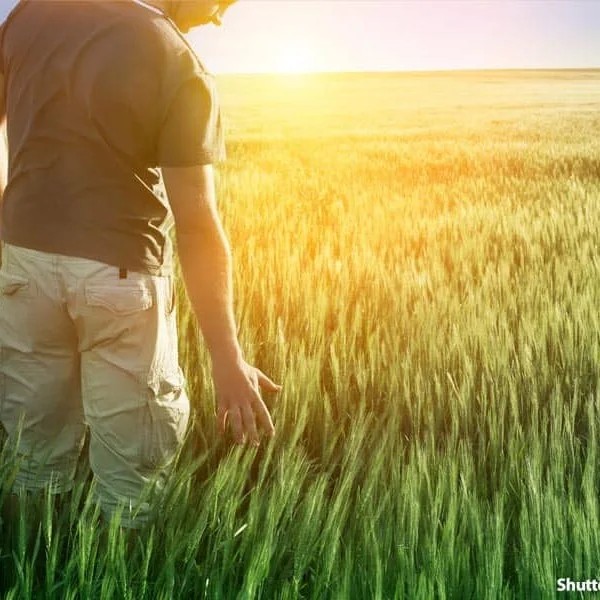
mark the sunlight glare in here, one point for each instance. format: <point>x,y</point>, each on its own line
<point>296,58</point>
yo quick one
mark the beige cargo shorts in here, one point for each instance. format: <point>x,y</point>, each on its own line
<point>86,345</point>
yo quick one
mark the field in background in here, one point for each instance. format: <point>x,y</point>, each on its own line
<point>416,259</point>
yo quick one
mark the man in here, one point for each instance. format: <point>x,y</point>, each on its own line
<point>98,94</point>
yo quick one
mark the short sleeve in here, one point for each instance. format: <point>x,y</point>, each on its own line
<point>191,131</point>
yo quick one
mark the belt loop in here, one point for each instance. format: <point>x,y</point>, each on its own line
<point>122,273</point>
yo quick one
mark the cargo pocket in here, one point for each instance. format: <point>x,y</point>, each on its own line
<point>122,299</point>
<point>18,327</point>
<point>165,420</point>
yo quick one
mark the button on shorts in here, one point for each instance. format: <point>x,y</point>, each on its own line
<point>82,347</point>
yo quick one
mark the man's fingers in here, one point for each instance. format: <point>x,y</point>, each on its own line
<point>266,383</point>
<point>231,415</point>
<point>243,408</point>
<point>221,418</point>
<point>262,415</point>
<point>235,420</point>
<point>250,425</point>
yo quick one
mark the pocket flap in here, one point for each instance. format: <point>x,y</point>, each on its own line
<point>122,299</point>
<point>11,284</point>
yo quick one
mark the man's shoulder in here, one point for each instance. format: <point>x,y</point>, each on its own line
<point>146,27</point>
<point>165,35</point>
<point>15,10</point>
<point>11,15</point>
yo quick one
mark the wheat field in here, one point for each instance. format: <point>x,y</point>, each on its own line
<point>416,259</point>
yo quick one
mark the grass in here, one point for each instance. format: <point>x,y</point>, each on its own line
<point>416,259</point>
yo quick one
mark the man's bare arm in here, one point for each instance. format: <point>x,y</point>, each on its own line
<point>205,259</point>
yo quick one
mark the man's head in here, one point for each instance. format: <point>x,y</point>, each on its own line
<point>192,13</point>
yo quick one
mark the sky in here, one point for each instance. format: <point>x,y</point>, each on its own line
<point>398,35</point>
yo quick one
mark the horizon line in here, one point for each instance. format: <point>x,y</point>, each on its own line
<point>406,71</point>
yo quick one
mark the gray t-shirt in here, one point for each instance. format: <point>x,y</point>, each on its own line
<point>99,94</point>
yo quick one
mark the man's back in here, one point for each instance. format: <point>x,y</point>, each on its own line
<point>98,94</point>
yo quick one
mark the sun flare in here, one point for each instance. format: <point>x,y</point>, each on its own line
<point>296,58</point>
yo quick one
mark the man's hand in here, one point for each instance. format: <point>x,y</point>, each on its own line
<point>239,401</point>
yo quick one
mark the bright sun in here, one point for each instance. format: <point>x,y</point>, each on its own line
<point>296,58</point>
